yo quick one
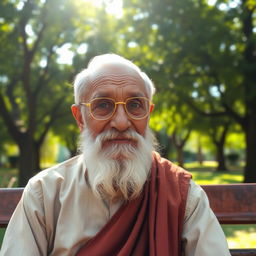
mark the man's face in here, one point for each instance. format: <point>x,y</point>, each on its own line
<point>117,151</point>
<point>119,82</point>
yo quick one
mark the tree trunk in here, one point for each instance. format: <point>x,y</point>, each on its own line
<point>250,167</point>
<point>220,143</point>
<point>179,144</point>
<point>180,156</point>
<point>37,148</point>
<point>220,157</point>
<point>28,161</point>
<point>200,157</point>
<point>250,92</point>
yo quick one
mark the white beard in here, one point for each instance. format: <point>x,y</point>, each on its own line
<point>119,169</point>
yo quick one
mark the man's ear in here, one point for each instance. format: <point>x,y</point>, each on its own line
<point>151,108</point>
<point>78,116</point>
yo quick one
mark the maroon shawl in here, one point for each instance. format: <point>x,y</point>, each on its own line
<point>152,223</point>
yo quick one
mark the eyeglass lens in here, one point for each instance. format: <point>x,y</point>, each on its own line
<point>104,108</point>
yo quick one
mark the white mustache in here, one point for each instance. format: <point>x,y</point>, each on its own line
<point>113,134</point>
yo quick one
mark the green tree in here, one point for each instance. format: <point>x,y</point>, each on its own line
<point>5,139</point>
<point>207,54</point>
<point>175,118</point>
<point>218,131</point>
<point>35,91</point>
<point>32,88</point>
<point>103,38</point>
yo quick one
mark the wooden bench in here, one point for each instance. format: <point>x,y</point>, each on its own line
<point>232,204</point>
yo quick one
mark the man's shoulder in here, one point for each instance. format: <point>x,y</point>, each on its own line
<point>170,166</point>
<point>63,172</point>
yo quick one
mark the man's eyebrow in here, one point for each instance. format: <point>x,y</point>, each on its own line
<point>101,95</point>
<point>136,94</point>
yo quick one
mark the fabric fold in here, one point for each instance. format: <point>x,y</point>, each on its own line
<point>150,224</point>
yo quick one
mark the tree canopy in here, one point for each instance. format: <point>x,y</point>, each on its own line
<point>199,53</point>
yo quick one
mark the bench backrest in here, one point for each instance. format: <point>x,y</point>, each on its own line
<point>232,204</point>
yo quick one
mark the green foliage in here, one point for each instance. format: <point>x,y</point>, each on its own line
<point>197,47</point>
<point>35,91</point>
<point>49,150</point>
<point>200,56</point>
<point>34,81</point>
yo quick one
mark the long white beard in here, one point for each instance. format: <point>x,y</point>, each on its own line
<point>119,169</point>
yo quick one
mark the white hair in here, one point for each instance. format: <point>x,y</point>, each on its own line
<point>81,79</point>
<point>108,174</point>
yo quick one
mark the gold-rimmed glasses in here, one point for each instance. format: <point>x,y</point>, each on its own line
<point>104,108</point>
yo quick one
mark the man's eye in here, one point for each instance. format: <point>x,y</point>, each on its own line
<point>135,104</point>
<point>102,104</point>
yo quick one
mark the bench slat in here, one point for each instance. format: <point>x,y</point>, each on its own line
<point>9,198</point>
<point>243,252</point>
<point>232,204</point>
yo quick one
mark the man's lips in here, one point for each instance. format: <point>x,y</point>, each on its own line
<point>120,141</point>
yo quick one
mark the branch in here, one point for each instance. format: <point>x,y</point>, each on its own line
<point>23,23</point>
<point>218,140</point>
<point>42,79</point>
<point>54,115</point>
<point>9,92</point>
<point>13,130</point>
<point>39,37</point>
<point>241,120</point>
<point>182,141</point>
<point>227,107</point>
<point>29,53</point>
<point>201,112</point>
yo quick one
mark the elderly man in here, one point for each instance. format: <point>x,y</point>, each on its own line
<point>119,197</point>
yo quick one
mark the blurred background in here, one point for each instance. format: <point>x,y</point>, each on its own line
<point>200,54</point>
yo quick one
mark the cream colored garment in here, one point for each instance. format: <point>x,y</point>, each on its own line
<point>58,213</point>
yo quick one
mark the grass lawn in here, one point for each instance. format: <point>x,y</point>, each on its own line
<point>2,230</point>
<point>6,175</point>
<point>238,236</point>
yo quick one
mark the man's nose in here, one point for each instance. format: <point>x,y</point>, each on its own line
<point>120,119</point>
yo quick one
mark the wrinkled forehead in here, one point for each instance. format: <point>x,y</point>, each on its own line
<point>112,67</point>
<point>113,76</point>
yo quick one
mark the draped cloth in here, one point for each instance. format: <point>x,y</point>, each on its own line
<point>150,224</point>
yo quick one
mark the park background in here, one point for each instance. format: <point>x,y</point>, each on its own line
<point>200,54</point>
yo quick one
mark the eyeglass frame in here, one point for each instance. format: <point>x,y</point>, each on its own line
<point>88,104</point>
